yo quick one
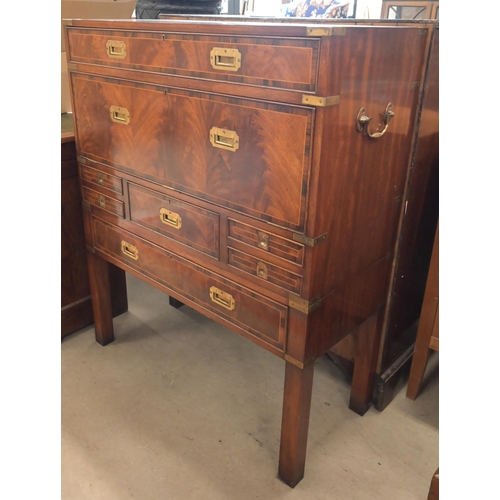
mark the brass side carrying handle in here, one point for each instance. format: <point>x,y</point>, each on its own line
<point>225,59</point>
<point>170,218</point>
<point>363,122</point>
<point>116,49</point>
<point>224,139</point>
<point>129,250</point>
<point>222,298</point>
<point>119,115</point>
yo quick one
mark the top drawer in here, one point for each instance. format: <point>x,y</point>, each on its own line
<point>288,63</point>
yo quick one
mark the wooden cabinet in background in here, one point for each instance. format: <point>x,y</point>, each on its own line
<point>410,9</point>
<point>76,307</point>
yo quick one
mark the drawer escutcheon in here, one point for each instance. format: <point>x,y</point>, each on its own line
<point>225,59</point>
<point>129,250</point>
<point>263,241</point>
<point>222,298</point>
<point>170,218</point>
<point>262,271</point>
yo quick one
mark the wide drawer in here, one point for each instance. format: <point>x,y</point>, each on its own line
<point>247,312</point>
<point>289,63</point>
<point>252,157</point>
<point>173,218</point>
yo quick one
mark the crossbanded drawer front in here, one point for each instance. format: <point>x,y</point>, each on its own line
<point>252,157</point>
<point>107,203</point>
<point>266,242</point>
<point>265,271</point>
<point>102,179</point>
<point>186,223</point>
<point>271,62</point>
<point>250,313</point>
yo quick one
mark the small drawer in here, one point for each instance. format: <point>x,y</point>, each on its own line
<point>267,242</point>
<point>102,179</point>
<point>107,203</point>
<point>266,271</point>
<point>249,313</point>
<point>172,218</point>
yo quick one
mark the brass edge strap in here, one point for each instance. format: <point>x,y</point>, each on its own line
<point>329,31</point>
<point>320,102</point>
<point>310,242</point>
<point>295,362</point>
<point>414,85</point>
<point>86,206</point>
<point>67,22</point>
<point>72,66</point>
<point>82,160</point>
<point>90,248</point>
<point>302,305</point>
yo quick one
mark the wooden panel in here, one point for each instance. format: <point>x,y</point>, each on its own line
<point>264,270</point>
<point>168,141</point>
<point>253,315</point>
<point>102,179</point>
<point>104,202</point>
<point>276,62</point>
<point>197,228</point>
<point>266,242</point>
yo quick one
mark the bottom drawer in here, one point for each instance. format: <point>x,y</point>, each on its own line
<point>248,313</point>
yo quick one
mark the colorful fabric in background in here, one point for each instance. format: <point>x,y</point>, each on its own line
<point>326,9</point>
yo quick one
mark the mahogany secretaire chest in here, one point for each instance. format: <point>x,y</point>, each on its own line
<point>253,171</point>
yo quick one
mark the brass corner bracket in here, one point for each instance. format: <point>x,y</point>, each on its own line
<point>310,242</point>
<point>325,31</point>
<point>320,102</point>
<point>302,305</point>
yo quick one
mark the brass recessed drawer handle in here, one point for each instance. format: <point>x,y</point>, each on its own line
<point>100,178</point>
<point>224,139</point>
<point>170,218</point>
<point>225,59</point>
<point>363,122</point>
<point>221,298</point>
<point>116,49</point>
<point>130,251</point>
<point>102,201</point>
<point>119,115</point>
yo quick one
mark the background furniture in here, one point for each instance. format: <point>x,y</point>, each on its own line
<point>434,488</point>
<point>428,327</point>
<point>76,306</point>
<point>409,9</point>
